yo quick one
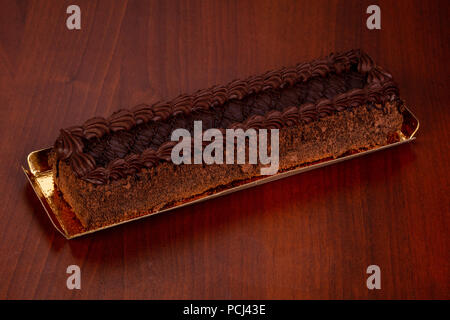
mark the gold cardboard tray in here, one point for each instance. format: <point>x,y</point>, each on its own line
<point>64,220</point>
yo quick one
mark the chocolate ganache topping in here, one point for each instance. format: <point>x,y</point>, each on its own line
<point>106,149</point>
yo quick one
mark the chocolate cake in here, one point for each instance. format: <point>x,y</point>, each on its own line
<point>112,169</point>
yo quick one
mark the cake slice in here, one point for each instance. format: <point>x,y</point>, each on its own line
<point>112,169</point>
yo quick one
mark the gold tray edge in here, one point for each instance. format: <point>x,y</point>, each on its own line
<point>35,186</point>
<point>415,118</point>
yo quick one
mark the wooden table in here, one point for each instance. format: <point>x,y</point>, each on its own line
<point>308,236</point>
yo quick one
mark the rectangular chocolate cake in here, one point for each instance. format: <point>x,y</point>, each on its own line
<point>112,169</point>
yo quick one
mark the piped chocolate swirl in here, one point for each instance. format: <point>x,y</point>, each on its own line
<point>106,149</point>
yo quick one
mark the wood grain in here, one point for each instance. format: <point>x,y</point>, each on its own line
<point>308,236</point>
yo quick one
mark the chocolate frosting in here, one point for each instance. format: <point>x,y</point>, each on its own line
<point>106,149</point>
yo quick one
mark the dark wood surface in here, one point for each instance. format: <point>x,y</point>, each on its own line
<point>309,236</point>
